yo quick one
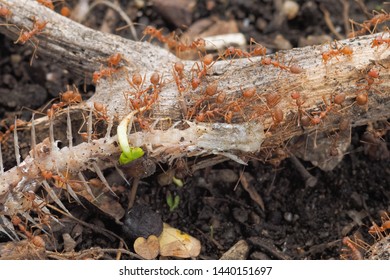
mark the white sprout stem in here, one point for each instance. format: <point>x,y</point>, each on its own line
<point>122,130</point>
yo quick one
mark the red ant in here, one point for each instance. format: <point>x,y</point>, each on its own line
<point>179,68</point>
<point>4,136</point>
<point>366,25</point>
<point>55,107</point>
<point>47,3</point>
<point>207,114</point>
<point>220,98</point>
<point>5,12</point>
<point>277,115</point>
<point>137,82</point>
<point>196,44</point>
<point>228,117</point>
<point>362,99</point>
<point>71,96</point>
<point>294,69</point>
<point>295,95</point>
<point>210,90</point>
<point>378,19</point>
<point>114,60</point>
<point>339,98</point>
<point>104,72</point>
<point>35,240</point>
<point>272,99</point>
<point>334,52</point>
<point>28,35</point>
<point>155,80</point>
<point>377,229</point>
<point>316,119</point>
<point>249,92</point>
<point>207,62</point>
<point>195,82</point>
<point>259,50</point>
<point>328,108</point>
<point>379,40</point>
<point>231,108</point>
<point>153,32</point>
<point>370,76</point>
<point>65,11</point>
<point>171,41</point>
<point>232,52</point>
<point>100,111</point>
<point>67,98</point>
<point>178,75</point>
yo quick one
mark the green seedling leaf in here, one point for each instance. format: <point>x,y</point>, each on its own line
<point>176,202</point>
<point>179,183</point>
<point>133,154</point>
<point>173,203</point>
<point>169,200</point>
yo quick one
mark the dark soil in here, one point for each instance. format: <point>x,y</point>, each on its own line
<point>297,222</point>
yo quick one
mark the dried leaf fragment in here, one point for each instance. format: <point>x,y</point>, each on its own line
<point>147,248</point>
<point>175,243</point>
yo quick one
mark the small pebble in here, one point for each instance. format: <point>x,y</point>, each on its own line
<point>282,43</point>
<point>259,256</point>
<point>288,216</point>
<point>290,9</point>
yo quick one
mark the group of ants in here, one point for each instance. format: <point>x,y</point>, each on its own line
<point>203,109</point>
<point>212,103</point>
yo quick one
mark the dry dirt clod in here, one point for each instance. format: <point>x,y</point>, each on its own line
<point>141,221</point>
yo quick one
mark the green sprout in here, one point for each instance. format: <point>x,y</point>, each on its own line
<point>128,153</point>
<point>178,182</point>
<point>173,202</point>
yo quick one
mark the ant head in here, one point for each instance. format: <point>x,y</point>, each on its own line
<point>295,95</point>
<point>149,30</point>
<point>373,73</point>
